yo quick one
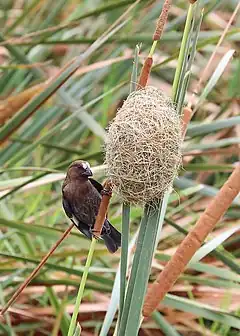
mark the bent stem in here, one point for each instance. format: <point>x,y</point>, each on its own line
<point>81,289</point>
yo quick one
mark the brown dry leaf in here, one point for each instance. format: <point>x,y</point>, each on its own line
<point>29,314</point>
<point>217,297</point>
<point>84,308</point>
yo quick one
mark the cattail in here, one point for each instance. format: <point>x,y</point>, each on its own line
<point>143,146</point>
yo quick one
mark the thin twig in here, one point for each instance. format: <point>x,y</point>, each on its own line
<point>36,270</point>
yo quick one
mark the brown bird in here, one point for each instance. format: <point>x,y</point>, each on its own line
<point>81,197</point>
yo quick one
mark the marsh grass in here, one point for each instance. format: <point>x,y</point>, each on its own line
<point>60,130</point>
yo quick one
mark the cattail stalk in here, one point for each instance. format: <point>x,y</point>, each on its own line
<point>102,212</point>
<point>182,51</point>
<point>72,327</point>
<point>192,242</point>
<point>106,195</point>
<point>147,66</point>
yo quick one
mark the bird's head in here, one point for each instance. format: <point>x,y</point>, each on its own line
<point>79,169</point>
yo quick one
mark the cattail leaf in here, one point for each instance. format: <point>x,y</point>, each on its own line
<point>37,101</point>
<point>216,144</point>
<point>200,309</point>
<point>114,301</point>
<point>137,286</point>
<point>183,182</point>
<point>215,77</point>
<point>208,167</point>
<point>205,268</point>
<point>56,128</point>
<point>68,270</point>
<point>77,14</point>
<point>184,45</point>
<point>195,130</point>
<point>43,231</point>
<point>213,244</point>
<point>164,325</point>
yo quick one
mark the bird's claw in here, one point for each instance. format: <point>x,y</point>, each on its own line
<point>93,233</point>
<point>106,192</point>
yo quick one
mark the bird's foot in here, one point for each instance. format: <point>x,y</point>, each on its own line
<point>106,192</point>
<point>95,233</point>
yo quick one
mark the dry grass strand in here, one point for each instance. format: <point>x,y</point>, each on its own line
<point>143,146</point>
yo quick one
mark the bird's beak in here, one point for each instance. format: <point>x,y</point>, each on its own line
<point>88,172</point>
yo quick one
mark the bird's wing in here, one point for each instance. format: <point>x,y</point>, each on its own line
<point>67,207</point>
<point>82,200</point>
<point>84,228</point>
<point>96,185</point>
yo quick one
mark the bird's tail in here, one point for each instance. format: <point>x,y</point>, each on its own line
<point>112,238</point>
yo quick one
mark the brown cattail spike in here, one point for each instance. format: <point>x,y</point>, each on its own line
<point>162,20</point>
<point>192,242</point>
<point>144,76</point>
<point>11,105</point>
<point>102,212</point>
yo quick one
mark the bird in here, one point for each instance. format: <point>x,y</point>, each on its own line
<point>81,198</point>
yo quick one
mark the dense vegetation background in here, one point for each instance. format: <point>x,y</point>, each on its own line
<point>37,39</point>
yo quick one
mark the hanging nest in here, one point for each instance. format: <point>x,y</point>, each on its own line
<point>143,146</point>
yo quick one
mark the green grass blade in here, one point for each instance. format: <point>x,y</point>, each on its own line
<point>56,128</point>
<point>215,77</point>
<point>182,51</point>
<point>216,144</point>
<point>124,255</point>
<point>213,244</point>
<point>195,130</point>
<point>114,301</point>
<point>205,190</point>
<point>228,261</point>
<point>37,101</point>
<point>200,309</point>
<point>24,14</point>
<point>164,325</point>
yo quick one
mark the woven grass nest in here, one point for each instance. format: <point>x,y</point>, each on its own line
<point>143,146</point>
